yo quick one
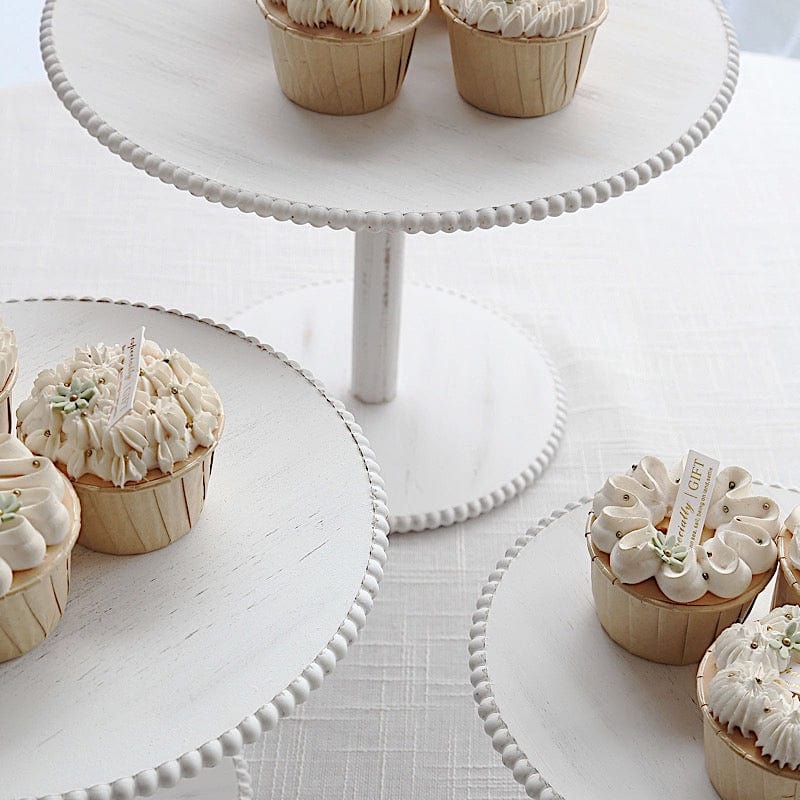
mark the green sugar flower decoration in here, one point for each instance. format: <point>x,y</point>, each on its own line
<point>668,549</point>
<point>787,641</point>
<point>73,397</point>
<point>9,505</point>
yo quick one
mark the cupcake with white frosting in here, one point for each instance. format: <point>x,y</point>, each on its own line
<point>748,685</point>
<point>8,375</point>
<point>664,600</point>
<point>342,56</point>
<point>39,521</point>
<point>521,58</point>
<point>142,482</point>
<point>787,584</point>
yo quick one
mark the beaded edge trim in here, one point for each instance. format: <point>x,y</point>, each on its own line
<point>410,222</point>
<point>250,729</point>
<point>535,785</point>
<point>431,520</point>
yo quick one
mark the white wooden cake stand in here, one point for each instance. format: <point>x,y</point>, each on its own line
<point>186,92</point>
<point>572,714</point>
<point>168,662</point>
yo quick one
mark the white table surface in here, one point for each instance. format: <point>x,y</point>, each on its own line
<point>603,289</point>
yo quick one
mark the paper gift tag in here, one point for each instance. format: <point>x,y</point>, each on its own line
<point>128,378</point>
<point>693,500</point>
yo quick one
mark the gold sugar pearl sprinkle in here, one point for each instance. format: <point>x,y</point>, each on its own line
<point>73,398</point>
<point>731,485</point>
<point>626,497</point>
<point>724,509</point>
<point>759,541</point>
<point>89,453</point>
<point>152,411</point>
<point>758,681</point>
<point>37,463</point>
<point>765,506</point>
<point>174,390</point>
<point>101,380</point>
<point>619,534</point>
<point>47,433</point>
<point>16,492</point>
<point>754,645</point>
<point>66,383</point>
<point>788,616</point>
<point>767,710</point>
<point>141,373</point>
<point>705,576</point>
<point>709,554</point>
<point>84,414</point>
<point>633,466</point>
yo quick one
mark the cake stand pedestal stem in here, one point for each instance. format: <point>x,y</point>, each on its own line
<point>377,292</point>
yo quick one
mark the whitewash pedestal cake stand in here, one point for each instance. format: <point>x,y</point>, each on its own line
<point>572,714</point>
<point>169,662</point>
<point>474,412</point>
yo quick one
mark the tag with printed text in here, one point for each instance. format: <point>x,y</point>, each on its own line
<point>693,500</point>
<point>128,378</point>
<point>791,677</point>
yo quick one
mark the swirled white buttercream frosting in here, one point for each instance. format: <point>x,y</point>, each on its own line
<point>752,690</point>
<point>529,18</point>
<point>355,16</point>
<point>8,353</point>
<point>792,526</point>
<point>629,507</point>
<point>176,410</point>
<point>32,516</point>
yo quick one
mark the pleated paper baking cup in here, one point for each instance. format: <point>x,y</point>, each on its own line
<point>145,516</point>
<point>640,619</point>
<point>787,585</point>
<point>6,414</point>
<point>34,605</point>
<point>520,77</point>
<point>337,72</point>
<point>735,765</point>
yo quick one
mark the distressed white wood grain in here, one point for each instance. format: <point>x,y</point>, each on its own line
<point>192,81</point>
<point>594,720</point>
<point>377,300</point>
<point>158,654</point>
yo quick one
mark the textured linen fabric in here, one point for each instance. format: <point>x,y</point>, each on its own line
<point>671,314</point>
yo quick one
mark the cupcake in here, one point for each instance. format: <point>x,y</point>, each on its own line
<point>8,375</point>
<point>521,58</point>
<point>39,521</point>
<point>143,481</point>
<point>787,584</point>
<point>658,597</point>
<point>747,687</point>
<point>342,56</point>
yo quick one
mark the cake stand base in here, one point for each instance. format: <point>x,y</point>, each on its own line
<point>479,411</point>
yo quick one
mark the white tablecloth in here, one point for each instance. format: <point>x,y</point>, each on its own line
<point>673,315</point>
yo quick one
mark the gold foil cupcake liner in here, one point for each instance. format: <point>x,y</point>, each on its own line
<point>336,72</point>
<point>518,77</point>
